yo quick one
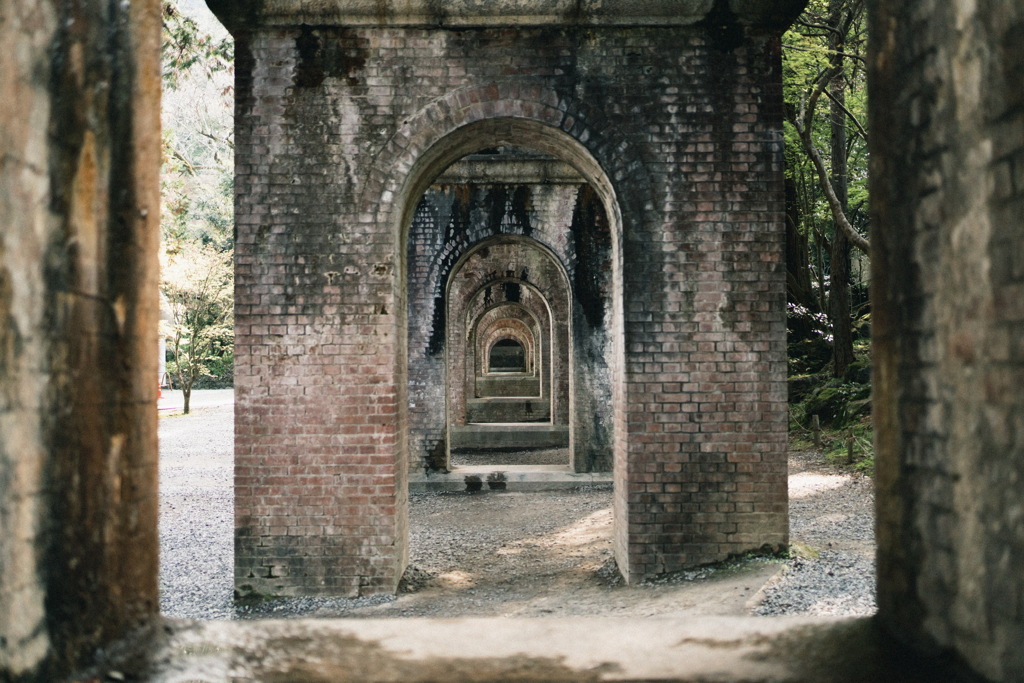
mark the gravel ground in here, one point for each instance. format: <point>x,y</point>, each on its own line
<point>832,534</point>
<point>196,513</point>
<point>511,553</point>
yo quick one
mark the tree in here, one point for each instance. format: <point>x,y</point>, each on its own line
<point>196,189</point>
<point>827,162</point>
<point>197,287</point>
<point>186,45</point>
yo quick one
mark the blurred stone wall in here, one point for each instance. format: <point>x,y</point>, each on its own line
<point>947,126</point>
<point>79,212</point>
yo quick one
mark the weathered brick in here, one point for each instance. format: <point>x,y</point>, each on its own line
<point>945,230</point>
<point>322,302</point>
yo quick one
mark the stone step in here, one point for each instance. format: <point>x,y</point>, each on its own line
<point>514,385</point>
<point>509,435</point>
<point>508,410</point>
<point>511,478</point>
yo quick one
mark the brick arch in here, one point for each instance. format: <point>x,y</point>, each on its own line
<point>510,321</point>
<point>473,118</point>
<point>465,304</point>
<point>514,335</point>
<point>490,325</point>
<point>539,324</point>
<point>506,112</point>
<point>680,144</point>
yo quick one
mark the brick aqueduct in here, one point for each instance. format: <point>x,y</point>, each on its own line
<point>598,190</point>
<point>657,232</point>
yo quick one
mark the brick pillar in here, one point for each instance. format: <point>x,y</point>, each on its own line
<point>319,469</point>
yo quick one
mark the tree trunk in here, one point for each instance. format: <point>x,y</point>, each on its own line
<point>839,294</point>
<point>839,306</point>
<point>187,393</point>
<point>798,255</point>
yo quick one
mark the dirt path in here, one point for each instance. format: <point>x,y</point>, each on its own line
<point>547,554</point>
<point>505,553</point>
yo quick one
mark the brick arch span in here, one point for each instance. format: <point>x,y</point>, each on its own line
<point>458,125</point>
<point>510,321</point>
<point>536,311</point>
<point>505,112</point>
<point>680,142</point>
<point>508,333</point>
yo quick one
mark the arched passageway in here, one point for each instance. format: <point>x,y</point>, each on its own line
<point>503,286</point>
<point>507,355</point>
<point>496,244</point>
<point>80,582</point>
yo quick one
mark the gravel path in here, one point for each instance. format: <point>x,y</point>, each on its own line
<point>514,554</point>
<point>831,523</point>
<point>197,513</point>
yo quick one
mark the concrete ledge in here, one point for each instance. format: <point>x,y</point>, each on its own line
<point>481,171</point>
<point>517,478</point>
<point>576,649</point>
<point>514,410</point>
<point>776,14</point>
<point>511,435</point>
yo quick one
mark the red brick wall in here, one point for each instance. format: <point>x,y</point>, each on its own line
<point>340,130</point>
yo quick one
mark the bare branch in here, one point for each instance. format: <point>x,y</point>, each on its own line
<point>803,129</point>
<point>860,129</point>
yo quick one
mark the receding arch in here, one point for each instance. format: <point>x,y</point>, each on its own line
<point>547,139</point>
<point>426,146</point>
<point>497,114</point>
<point>508,354</point>
<point>510,272</point>
<point>503,332</point>
<point>534,330</point>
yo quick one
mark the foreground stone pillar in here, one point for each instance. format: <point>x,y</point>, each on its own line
<point>347,111</point>
<point>79,229</point>
<point>947,115</point>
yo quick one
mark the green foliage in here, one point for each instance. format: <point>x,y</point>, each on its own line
<point>843,409</point>
<point>197,208</point>
<point>827,170</point>
<point>187,46</point>
<point>221,370</point>
<point>198,146</point>
<point>807,67</point>
<point>852,447</point>
<point>802,550</point>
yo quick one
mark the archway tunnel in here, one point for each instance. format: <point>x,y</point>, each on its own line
<point>509,304</point>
